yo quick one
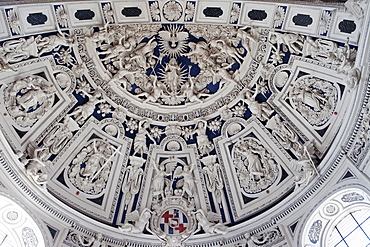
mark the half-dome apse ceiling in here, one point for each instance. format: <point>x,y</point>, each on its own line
<point>168,122</point>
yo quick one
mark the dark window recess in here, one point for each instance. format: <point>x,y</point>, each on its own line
<point>347,26</point>
<point>302,20</point>
<point>36,19</point>
<point>212,12</point>
<point>131,12</point>
<point>257,15</point>
<point>84,14</point>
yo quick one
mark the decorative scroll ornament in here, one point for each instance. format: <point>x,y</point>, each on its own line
<point>314,232</point>
<point>28,99</point>
<point>59,136</point>
<point>255,166</point>
<point>352,197</point>
<point>29,237</point>
<point>262,239</point>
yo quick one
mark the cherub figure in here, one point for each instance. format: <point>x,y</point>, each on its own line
<point>207,222</point>
<point>305,169</point>
<point>36,164</point>
<point>140,222</point>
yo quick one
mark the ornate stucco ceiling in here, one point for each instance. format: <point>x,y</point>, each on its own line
<point>180,121</point>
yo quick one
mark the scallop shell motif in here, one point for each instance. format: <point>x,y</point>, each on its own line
<point>173,146</point>
<point>234,128</point>
<point>281,78</point>
<point>111,130</point>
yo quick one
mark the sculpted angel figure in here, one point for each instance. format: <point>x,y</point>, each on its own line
<point>140,222</point>
<point>203,143</point>
<point>157,90</point>
<point>53,42</point>
<point>140,138</point>
<point>221,75</point>
<point>198,52</point>
<point>159,180</point>
<point>144,53</point>
<point>292,42</point>
<point>260,110</point>
<point>305,169</point>
<point>126,74</point>
<point>228,50</point>
<point>82,112</point>
<point>247,35</point>
<point>207,222</point>
<point>187,174</point>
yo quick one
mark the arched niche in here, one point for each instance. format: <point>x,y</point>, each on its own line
<point>17,227</point>
<point>337,211</point>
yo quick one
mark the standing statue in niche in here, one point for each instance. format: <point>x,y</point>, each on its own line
<point>207,223</point>
<point>213,176</point>
<point>140,222</point>
<point>132,179</point>
<point>305,169</point>
<point>140,145</point>
<point>159,180</point>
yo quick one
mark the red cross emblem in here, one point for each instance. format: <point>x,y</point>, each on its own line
<point>173,221</point>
